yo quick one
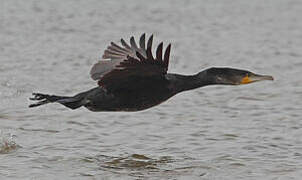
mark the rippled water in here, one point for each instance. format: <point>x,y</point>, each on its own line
<point>217,132</point>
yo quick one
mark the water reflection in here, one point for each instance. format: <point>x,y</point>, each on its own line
<point>135,162</point>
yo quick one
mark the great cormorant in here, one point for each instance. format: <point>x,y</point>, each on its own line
<point>130,78</point>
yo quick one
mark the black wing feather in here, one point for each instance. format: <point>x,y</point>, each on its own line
<point>167,56</point>
<point>142,42</point>
<point>159,52</point>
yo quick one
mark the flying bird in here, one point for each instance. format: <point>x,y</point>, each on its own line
<point>130,78</point>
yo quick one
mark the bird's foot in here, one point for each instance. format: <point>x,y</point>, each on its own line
<point>42,98</point>
<point>38,96</point>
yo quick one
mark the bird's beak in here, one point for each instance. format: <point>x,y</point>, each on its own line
<point>255,77</point>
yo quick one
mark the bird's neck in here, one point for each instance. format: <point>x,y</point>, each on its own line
<point>188,82</point>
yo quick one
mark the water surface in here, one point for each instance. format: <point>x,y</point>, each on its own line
<point>217,132</point>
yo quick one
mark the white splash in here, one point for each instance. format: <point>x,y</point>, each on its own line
<point>7,143</point>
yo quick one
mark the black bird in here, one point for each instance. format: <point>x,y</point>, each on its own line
<point>130,78</point>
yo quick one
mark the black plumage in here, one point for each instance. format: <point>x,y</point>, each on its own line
<point>130,78</point>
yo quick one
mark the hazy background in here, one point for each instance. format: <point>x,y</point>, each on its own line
<point>218,132</point>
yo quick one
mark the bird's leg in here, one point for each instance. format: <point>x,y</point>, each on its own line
<point>71,102</point>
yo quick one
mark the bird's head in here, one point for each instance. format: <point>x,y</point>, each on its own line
<point>229,76</point>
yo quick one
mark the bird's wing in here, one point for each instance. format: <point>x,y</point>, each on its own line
<point>130,62</point>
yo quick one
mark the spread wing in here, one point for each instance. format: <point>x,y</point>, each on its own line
<point>131,66</point>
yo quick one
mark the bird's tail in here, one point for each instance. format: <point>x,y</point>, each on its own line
<point>70,102</point>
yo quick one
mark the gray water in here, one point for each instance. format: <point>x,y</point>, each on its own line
<point>218,132</point>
